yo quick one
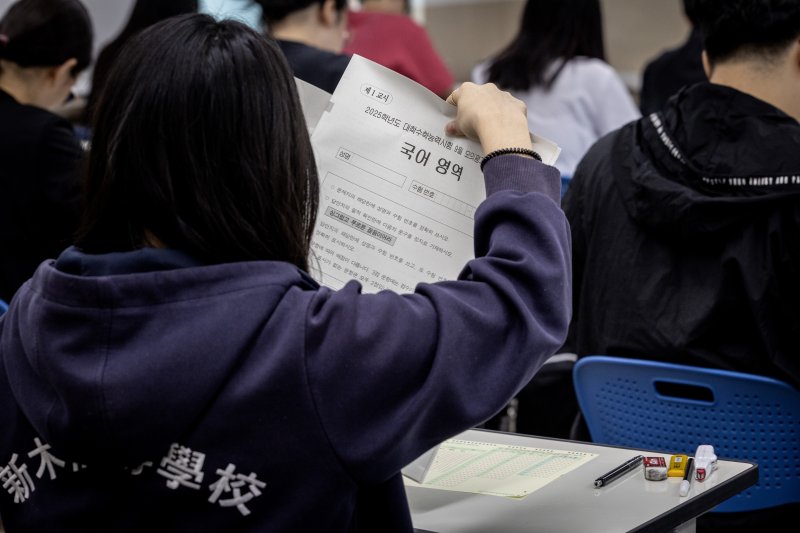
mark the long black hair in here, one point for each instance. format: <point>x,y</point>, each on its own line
<point>145,13</point>
<point>200,141</point>
<point>46,33</point>
<point>550,30</point>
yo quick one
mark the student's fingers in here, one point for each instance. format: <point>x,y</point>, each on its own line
<point>451,128</point>
<point>491,116</point>
<point>453,98</point>
<point>463,98</point>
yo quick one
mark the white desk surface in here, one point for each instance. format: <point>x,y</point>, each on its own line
<point>571,503</point>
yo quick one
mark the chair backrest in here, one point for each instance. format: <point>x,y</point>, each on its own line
<point>3,307</point>
<point>674,408</point>
<point>565,180</point>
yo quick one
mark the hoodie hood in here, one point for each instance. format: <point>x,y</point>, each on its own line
<point>695,211</point>
<point>697,168</point>
<point>92,387</point>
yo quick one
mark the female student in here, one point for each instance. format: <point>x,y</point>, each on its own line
<point>145,13</point>
<point>179,370</point>
<point>44,45</point>
<point>556,65</point>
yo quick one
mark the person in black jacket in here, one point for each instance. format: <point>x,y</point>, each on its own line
<point>685,223</point>
<point>44,45</point>
<point>311,34</point>
<point>676,68</point>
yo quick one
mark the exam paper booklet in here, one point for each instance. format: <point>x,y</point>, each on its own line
<point>314,102</point>
<point>397,195</point>
<point>495,469</point>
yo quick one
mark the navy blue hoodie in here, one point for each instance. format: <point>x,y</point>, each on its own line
<point>142,391</point>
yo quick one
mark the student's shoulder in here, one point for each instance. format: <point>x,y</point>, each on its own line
<point>298,50</point>
<point>591,67</point>
<point>27,117</point>
<point>607,152</point>
<point>30,125</point>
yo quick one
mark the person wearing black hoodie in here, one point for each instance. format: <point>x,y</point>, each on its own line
<point>673,69</point>
<point>685,223</point>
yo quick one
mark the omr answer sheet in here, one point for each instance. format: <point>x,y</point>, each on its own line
<point>497,469</point>
<point>397,195</point>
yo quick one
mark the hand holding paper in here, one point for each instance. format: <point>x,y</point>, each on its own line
<point>491,116</point>
<point>398,193</point>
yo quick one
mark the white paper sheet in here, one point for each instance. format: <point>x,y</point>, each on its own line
<point>397,195</point>
<point>314,102</point>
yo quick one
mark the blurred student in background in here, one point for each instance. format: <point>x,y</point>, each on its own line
<point>183,366</point>
<point>670,71</point>
<point>312,34</point>
<point>383,32</point>
<point>556,65</point>
<point>685,223</point>
<point>145,13</point>
<point>44,45</point>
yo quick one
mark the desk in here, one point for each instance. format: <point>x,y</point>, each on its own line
<point>571,503</point>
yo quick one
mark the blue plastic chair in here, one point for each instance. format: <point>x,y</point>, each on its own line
<point>3,307</point>
<point>565,184</point>
<point>674,408</point>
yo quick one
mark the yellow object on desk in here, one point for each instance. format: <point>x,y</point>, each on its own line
<point>677,465</point>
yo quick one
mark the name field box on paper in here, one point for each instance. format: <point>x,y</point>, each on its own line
<point>370,167</point>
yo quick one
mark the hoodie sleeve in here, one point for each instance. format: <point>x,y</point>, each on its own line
<point>393,375</point>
